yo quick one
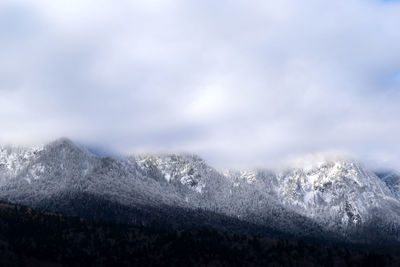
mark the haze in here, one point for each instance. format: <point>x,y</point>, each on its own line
<point>241,83</point>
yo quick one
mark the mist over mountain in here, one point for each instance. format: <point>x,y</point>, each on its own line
<point>287,113</point>
<point>334,200</point>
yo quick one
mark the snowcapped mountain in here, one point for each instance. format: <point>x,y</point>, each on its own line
<point>62,169</point>
<point>198,184</point>
<point>339,198</point>
<point>340,195</point>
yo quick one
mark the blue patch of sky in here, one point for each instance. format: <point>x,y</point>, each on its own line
<point>16,22</point>
<point>393,77</point>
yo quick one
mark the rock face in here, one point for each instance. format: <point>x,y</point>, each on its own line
<point>332,199</point>
<point>392,180</point>
<point>339,195</point>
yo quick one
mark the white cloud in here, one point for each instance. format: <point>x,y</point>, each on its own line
<point>251,82</point>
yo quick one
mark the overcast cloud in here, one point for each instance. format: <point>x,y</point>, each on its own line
<point>242,83</point>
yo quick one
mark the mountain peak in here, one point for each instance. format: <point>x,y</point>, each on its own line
<point>65,144</point>
<point>334,192</point>
<point>62,141</point>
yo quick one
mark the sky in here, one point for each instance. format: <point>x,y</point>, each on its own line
<point>241,83</point>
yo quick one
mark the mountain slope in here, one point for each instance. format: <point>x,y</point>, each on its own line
<point>340,195</point>
<point>62,168</point>
<point>333,199</point>
<point>392,180</point>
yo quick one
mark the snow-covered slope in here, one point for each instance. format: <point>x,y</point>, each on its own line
<point>188,170</point>
<point>340,192</point>
<point>15,159</point>
<point>199,184</point>
<point>63,168</point>
<point>339,195</point>
<point>332,196</point>
<point>392,180</point>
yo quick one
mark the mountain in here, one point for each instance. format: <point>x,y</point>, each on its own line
<point>340,195</point>
<point>206,189</point>
<point>56,175</point>
<point>336,199</point>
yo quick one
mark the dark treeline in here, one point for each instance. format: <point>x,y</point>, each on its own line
<point>37,238</point>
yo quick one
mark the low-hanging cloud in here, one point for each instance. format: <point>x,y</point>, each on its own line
<point>244,83</point>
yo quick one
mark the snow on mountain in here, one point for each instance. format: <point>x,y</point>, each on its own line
<point>62,168</point>
<point>14,159</point>
<point>336,195</point>
<point>189,170</point>
<point>248,176</point>
<point>198,184</point>
<point>337,192</point>
<point>340,195</point>
<point>392,180</point>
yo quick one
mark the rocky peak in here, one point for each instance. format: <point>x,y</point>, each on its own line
<point>187,169</point>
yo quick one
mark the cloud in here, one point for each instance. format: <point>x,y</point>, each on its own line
<point>241,83</point>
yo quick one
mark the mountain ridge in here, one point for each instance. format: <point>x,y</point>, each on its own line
<point>340,199</point>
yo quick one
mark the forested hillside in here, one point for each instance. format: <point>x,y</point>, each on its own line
<point>332,200</point>
<point>37,238</point>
